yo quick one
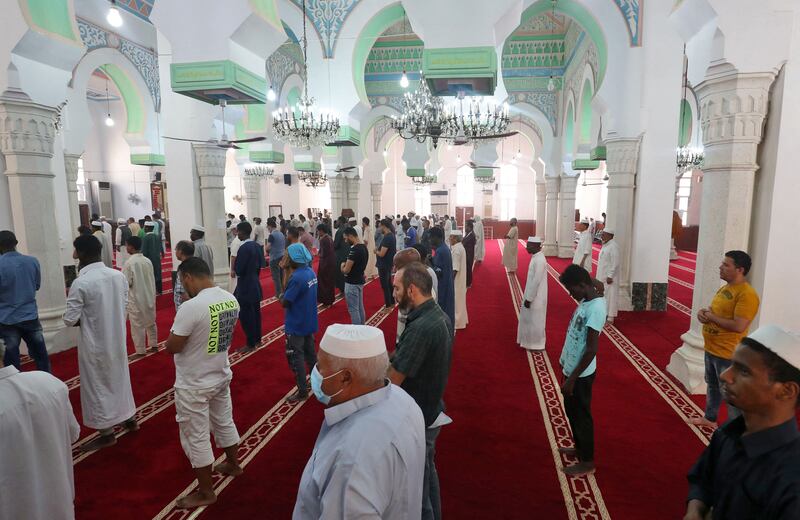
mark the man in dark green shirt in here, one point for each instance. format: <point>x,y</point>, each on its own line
<point>151,249</point>
<point>421,365</point>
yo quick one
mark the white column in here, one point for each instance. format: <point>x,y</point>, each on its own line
<point>353,184</point>
<point>337,186</point>
<point>26,142</point>
<point>252,195</point>
<point>71,169</point>
<point>566,216</point>
<point>541,201</point>
<point>376,191</point>
<point>550,245</point>
<point>622,164</point>
<point>210,161</point>
<point>733,106</point>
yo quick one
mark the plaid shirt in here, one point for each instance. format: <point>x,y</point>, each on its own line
<point>423,355</point>
<point>177,292</point>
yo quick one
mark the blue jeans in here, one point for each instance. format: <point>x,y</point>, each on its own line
<point>31,332</point>
<point>431,502</point>
<point>714,367</point>
<point>354,296</point>
<point>277,275</point>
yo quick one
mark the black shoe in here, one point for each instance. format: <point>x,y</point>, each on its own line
<point>296,398</point>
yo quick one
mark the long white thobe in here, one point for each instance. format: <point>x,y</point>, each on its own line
<point>510,249</point>
<point>107,253</point>
<point>138,270</point>
<point>97,298</point>
<point>122,254</point>
<point>37,427</point>
<point>448,228</point>
<point>480,247</point>
<point>531,328</point>
<point>584,247</point>
<point>369,241</point>
<point>459,255</point>
<point>608,267</point>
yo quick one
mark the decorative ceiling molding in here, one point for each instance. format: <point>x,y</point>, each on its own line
<point>379,131</point>
<point>631,11</point>
<point>395,102</point>
<point>545,101</point>
<point>282,63</point>
<point>145,60</point>
<point>328,17</point>
<point>139,8</point>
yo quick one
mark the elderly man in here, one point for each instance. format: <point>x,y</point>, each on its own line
<point>200,340</point>
<point>403,258</point>
<point>583,250</point>
<point>151,249</point>
<point>459,255</point>
<point>134,227</point>
<point>141,307</point>
<point>202,250</point>
<point>533,314</point>
<point>249,262</point>
<point>96,303</point>
<point>510,248</point>
<point>725,323</point>
<point>751,469</point>
<point>37,427</point>
<point>20,279</point>
<point>369,458</point>
<point>121,240</point>
<point>300,304</point>
<point>421,366</point>
<point>607,271</point>
<point>443,266</point>
<point>480,246</point>
<point>107,251</point>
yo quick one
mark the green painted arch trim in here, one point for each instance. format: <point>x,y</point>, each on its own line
<point>580,14</point>
<point>685,119</point>
<point>52,17</point>
<point>585,129</point>
<point>569,130</point>
<point>268,11</point>
<point>267,157</point>
<point>134,104</point>
<point>367,38</point>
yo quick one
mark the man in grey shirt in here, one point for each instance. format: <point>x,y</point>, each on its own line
<point>369,458</point>
<point>201,249</point>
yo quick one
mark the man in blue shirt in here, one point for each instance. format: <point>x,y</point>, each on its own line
<point>276,247</point>
<point>300,304</point>
<point>443,266</point>
<point>578,363</point>
<point>249,261</point>
<point>20,278</point>
<point>411,233</point>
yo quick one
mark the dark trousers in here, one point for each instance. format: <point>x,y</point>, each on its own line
<point>250,319</point>
<point>579,412</point>
<point>301,356</point>
<point>385,276</point>
<point>31,332</point>
<point>277,275</point>
<point>431,502</point>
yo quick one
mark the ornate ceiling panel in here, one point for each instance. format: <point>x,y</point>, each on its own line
<point>140,8</point>
<point>631,11</point>
<point>284,62</point>
<point>328,17</point>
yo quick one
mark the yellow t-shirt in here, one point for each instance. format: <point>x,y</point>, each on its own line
<point>731,301</point>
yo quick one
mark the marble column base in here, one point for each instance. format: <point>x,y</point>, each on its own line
<point>550,249</point>
<point>673,253</point>
<point>567,251</point>
<point>687,364</point>
<point>649,296</point>
<point>57,336</point>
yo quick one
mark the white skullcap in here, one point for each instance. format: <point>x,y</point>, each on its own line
<point>534,240</point>
<point>456,233</point>
<point>97,223</point>
<point>584,221</point>
<point>121,221</point>
<point>784,343</point>
<point>102,217</point>
<point>198,228</point>
<point>608,230</point>
<point>149,223</point>
<point>353,341</point>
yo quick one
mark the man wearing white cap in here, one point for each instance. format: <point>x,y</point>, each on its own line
<point>480,246</point>
<point>141,306</point>
<point>459,255</point>
<point>120,240</point>
<point>107,253</point>
<point>583,250</point>
<point>533,314</point>
<point>607,271</point>
<point>369,458</point>
<point>510,247</point>
<point>751,469</point>
<point>202,250</point>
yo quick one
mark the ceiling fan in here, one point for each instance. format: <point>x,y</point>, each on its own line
<point>476,166</point>
<point>223,141</point>
<point>461,140</point>
<point>345,169</point>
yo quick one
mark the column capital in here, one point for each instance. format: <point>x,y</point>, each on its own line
<point>251,186</point>
<point>210,159</point>
<point>376,189</point>
<point>568,183</point>
<point>551,183</point>
<point>336,185</point>
<point>26,128</point>
<point>71,169</point>
<point>622,155</point>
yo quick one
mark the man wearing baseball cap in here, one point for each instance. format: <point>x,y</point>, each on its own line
<point>751,469</point>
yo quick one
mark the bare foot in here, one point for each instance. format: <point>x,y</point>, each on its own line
<point>229,468</point>
<point>196,499</point>
<point>103,441</point>
<point>702,421</point>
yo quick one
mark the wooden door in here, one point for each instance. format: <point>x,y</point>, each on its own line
<point>464,213</point>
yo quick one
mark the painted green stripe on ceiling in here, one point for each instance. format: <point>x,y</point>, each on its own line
<point>267,10</point>
<point>148,159</point>
<point>134,106</point>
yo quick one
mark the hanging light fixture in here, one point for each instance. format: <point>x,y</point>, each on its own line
<point>687,157</point>
<point>258,171</point>
<point>300,126</point>
<point>551,84</point>
<point>271,94</point>
<point>404,78</point>
<point>422,181</point>
<point>312,179</point>
<point>482,119</point>
<point>109,119</point>
<point>424,115</point>
<point>113,17</point>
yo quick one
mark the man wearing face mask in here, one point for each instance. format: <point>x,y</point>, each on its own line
<point>369,458</point>
<point>421,365</point>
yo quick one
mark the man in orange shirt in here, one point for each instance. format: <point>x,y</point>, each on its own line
<point>725,323</point>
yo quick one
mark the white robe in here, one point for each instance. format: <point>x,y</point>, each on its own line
<point>531,328</point>
<point>480,247</point>
<point>459,255</point>
<point>510,249</point>
<point>138,270</point>
<point>584,247</point>
<point>122,254</point>
<point>107,253</point>
<point>608,267</point>
<point>368,237</point>
<point>97,299</point>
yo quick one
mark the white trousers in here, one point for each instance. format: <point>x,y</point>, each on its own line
<point>201,412</point>
<point>611,294</point>
<point>142,325</point>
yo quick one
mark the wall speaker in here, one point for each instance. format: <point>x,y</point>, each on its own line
<point>287,179</point>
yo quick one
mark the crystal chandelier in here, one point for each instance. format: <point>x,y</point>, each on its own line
<point>422,181</point>
<point>258,171</point>
<point>313,179</point>
<point>485,180</point>
<point>480,119</point>
<point>300,126</point>
<point>424,115</point>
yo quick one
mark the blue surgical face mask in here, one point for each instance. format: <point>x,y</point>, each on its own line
<point>316,386</point>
